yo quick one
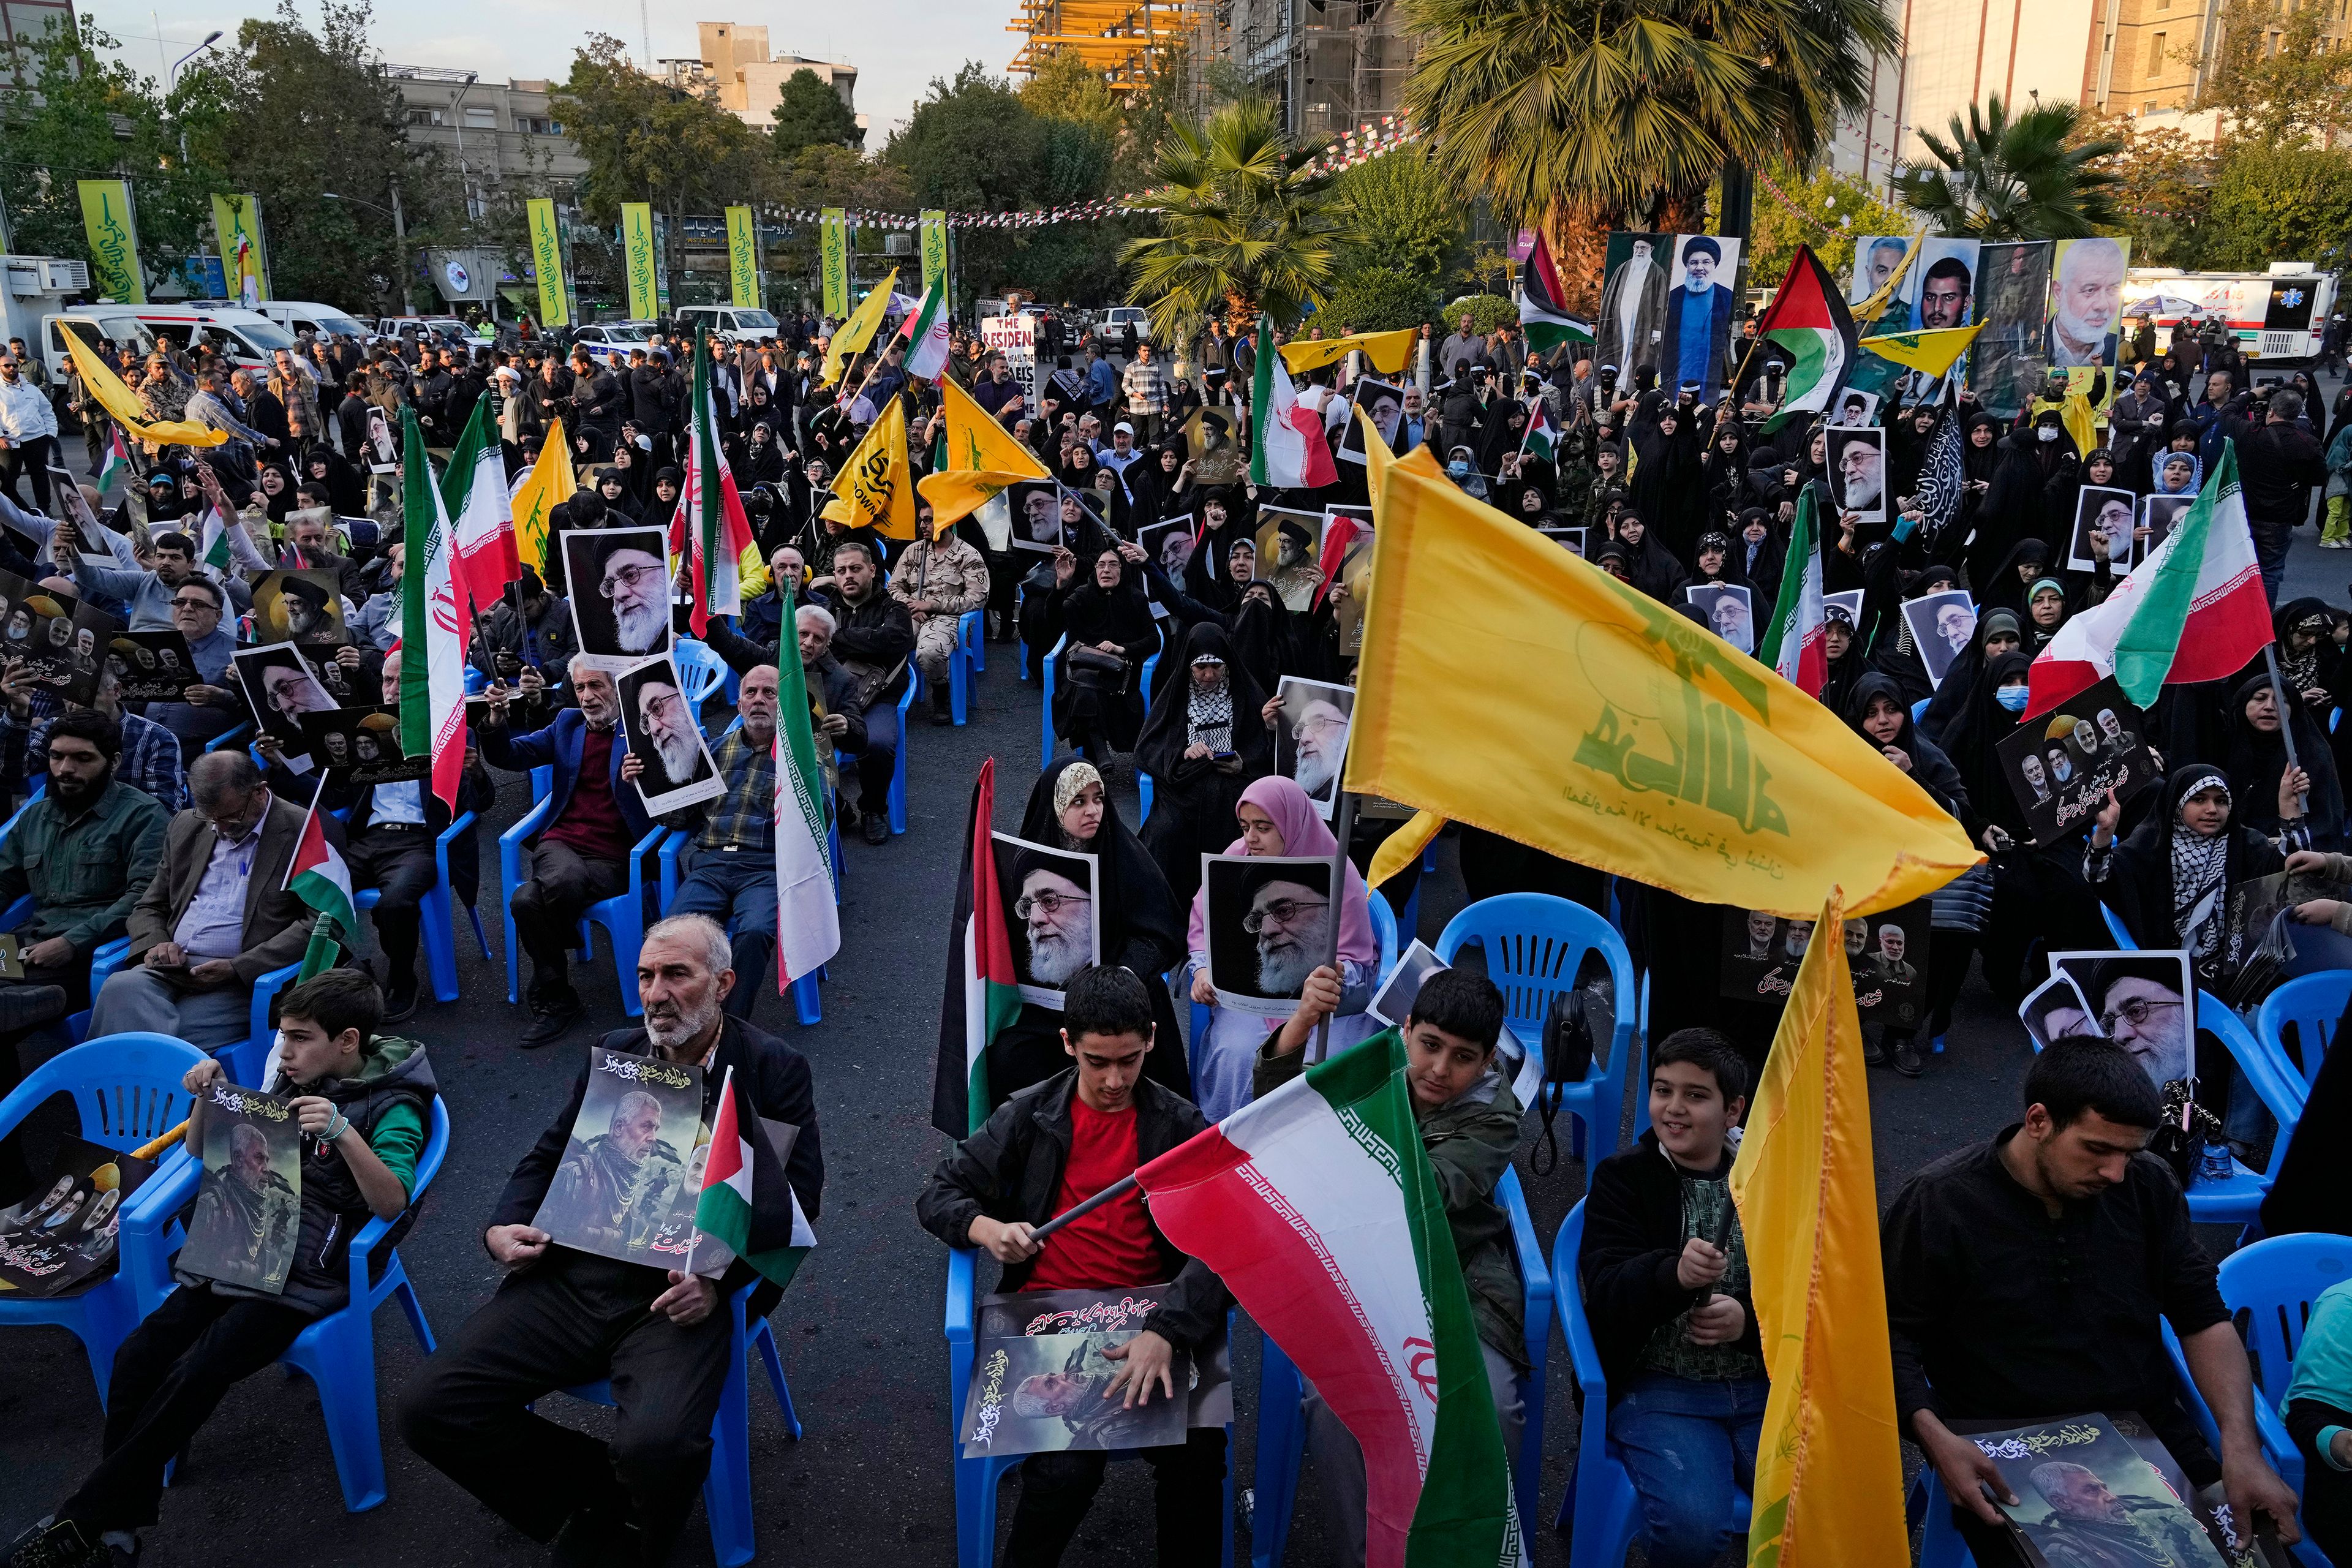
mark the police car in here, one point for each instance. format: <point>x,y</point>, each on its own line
<point>609,342</point>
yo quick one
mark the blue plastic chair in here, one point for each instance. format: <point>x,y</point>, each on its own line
<point>1929,1505</point>
<point>2311,1004</point>
<point>976,1478</point>
<point>228,737</point>
<point>623,917</point>
<point>2116,929</point>
<point>846,761</point>
<point>337,1353</point>
<point>726,1489</point>
<point>1384,928</point>
<point>109,953</point>
<point>702,671</point>
<point>1535,944</point>
<point>807,1006</point>
<point>1151,668</point>
<point>1920,708</point>
<point>1143,792</point>
<point>436,913</point>
<point>971,639</point>
<point>1282,1425</point>
<point>127,1090</point>
<point>1598,1511</point>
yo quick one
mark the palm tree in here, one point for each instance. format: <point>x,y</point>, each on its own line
<point>2012,179</point>
<point>1574,116</point>
<point>1247,224</point>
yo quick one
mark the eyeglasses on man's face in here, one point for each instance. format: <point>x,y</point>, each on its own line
<point>1051,904</point>
<point>1283,913</point>
<point>634,578</point>
<point>2135,1012</point>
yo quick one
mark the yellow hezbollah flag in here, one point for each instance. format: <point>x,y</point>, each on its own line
<point>982,462</point>
<point>1387,352</point>
<point>1829,1468</point>
<point>1930,353</point>
<point>875,488</point>
<point>547,262</point>
<point>1875,306</point>
<point>123,405</point>
<point>113,232</point>
<point>854,333</point>
<point>637,242</point>
<point>1506,684</point>
<point>550,485</point>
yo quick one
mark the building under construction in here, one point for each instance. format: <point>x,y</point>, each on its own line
<point>1131,42</point>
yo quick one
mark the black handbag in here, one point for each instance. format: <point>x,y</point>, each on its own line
<point>1568,1047</point>
<point>1098,670</point>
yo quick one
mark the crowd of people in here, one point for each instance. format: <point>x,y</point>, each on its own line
<point>1167,648</point>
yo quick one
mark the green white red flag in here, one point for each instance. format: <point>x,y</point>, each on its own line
<point>474,497</point>
<point>317,876</point>
<point>710,529</point>
<point>432,634</point>
<point>1794,644</point>
<point>746,1202</point>
<point>1808,318</point>
<point>928,339</point>
<point>983,989</point>
<point>1317,1208</point>
<point>1288,451</point>
<point>808,920</point>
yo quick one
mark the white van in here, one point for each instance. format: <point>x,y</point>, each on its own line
<point>244,338</point>
<point>299,316</point>
<point>116,324</point>
<point>733,322</point>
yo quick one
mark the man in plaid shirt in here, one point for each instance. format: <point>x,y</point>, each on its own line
<point>730,859</point>
<point>1147,395</point>
<point>150,760</point>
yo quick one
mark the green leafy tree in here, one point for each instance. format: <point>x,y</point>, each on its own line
<point>1574,117</point>
<point>809,113</point>
<point>1487,311</point>
<point>2168,175</point>
<point>2277,78</point>
<point>2026,177</point>
<point>1245,224</point>
<point>2273,204</point>
<point>1409,221</point>
<point>1826,211</point>
<point>1380,300</point>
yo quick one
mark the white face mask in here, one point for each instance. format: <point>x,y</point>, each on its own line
<point>2047,433</point>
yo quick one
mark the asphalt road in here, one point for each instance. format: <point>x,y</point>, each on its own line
<point>860,1329</point>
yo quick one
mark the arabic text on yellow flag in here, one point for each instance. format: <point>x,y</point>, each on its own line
<point>1930,353</point>
<point>123,404</point>
<point>983,461</point>
<point>1386,351</point>
<point>875,488</point>
<point>547,262</point>
<point>1829,1468</point>
<point>550,485</point>
<point>854,333</point>
<point>1508,685</point>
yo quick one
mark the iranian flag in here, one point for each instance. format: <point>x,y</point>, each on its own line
<point>432,637</point>
<point>710,529</point>
<point>1793,645</point>
<point>1287,448</point>
<point>2194,610</point>
<point>1317,1208</point>
<point>1542,315</point>
<point>1808,318</point>
<point>118,461</point>
<point>926,332</point>
<point>984,992</point>
<point>474,497</point>
<point>746,1202</point>
<point>317,876</point>
<point>808,922</point>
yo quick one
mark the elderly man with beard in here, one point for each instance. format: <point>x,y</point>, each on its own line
<point>1292,925</point>
<point>582,854</point>
<point>563,1317</point>
<point>635,583</point>
<point>668,730</point>
<point>1319,740</point>
<point>730,858</point>
<point>1055,906</point>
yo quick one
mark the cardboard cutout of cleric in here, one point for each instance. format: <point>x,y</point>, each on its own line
<point>362,745</point>
<point>152,667</point>
<point>299,606</point>
<point>2061,764</point>
<point>1385,405</point>
<point>1887,955</point>
<point>2158,515</point>
<point>1941,626</point>
<point>1050,909</point>
<point>1311,743</point>
<point>2103,519</point>
<point>622,1185</point>
<point>1169,546</point>
<point>665,734</point>
<point>1269,918</point>
<point>620,593</point>
<point>1288,544</point>
<point>279,686</point>
<point>2054,1010</point>
<point>1857,458</point>
<point>2146,1002</point>
<point>1730,609</point>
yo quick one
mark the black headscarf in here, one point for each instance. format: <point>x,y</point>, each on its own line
<point>1265,638</point>
<point>1655,570</point>
<point>1931,770</point>
<point>2256,760</point>
<point>1192,798</point>
<point>2004,589</point>
<point>1970,741</point>
<point>1142,924</point>
<point>1967,668</point>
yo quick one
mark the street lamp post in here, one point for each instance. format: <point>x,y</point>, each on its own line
<point>172,83</point>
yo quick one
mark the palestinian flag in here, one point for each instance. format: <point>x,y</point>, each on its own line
<point>984,992</point>
<point>2194,610</point>
<point>1809,319</point>
<point>710,529</point>
<point>317,876</point>
<point>1543,432</point>
<point>474,496</point>
<point>118,461</point>
<point>808,922</point>
<point>746,1202</point>
<point>432,635</point>
<point>213,549</point>
<point>1288,450</point>
<point>926,336</point>
<point>1317,1208</point>
<point>1793,645</point>
<point>1542,316</point>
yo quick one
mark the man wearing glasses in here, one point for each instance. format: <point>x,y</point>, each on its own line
<point>1056,909</point>
<point>211,707</point>
<point>1292,923</point>
<point>635,583</point>
<point>2144,1016</point>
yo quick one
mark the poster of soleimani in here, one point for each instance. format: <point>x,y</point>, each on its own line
<point>1039,1375</point>
<point>248,1211</point>
<point>628,1181</point>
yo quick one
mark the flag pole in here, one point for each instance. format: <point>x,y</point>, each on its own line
<point>2287,729</point>
<point>1110,1194</point>
<point>1343,830</point>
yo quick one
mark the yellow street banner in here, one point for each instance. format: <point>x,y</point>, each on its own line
<point>875,488</point>
<point>932,225</point>
<point>236,225</point>
<point>1387,352</point>
<point>1829,1466</point>
<point>833,231</point>
<point>638,241</point>
<point>1928,352</point>
<point>744,258</point>
<point>1506,684</point>
<point>853,335</point>
<point>113,231</point>
<point>547,261</point>
<point>982,462</point>
<point>550,484</point>
<point>122,403</point>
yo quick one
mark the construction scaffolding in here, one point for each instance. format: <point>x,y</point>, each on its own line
<point>1331,64</point>
<point>1130,42</point>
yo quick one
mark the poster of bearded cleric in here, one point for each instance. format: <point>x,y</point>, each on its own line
<point>664,737</point>
<point>248,1211</point>
<point>1312,741</point>
<point>2093,1490</point>
<point>1887,953</point>
<point>621,1189</point>
<point>620,593</point>
<point>1049,908</point>
<point>1666,304</point>
<point>2061,764</point>
<point>1269,919</point>
<point>299,606</point>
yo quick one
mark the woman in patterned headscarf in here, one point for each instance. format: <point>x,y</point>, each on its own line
<point>2169,881</point>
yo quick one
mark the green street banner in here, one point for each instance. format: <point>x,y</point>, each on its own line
<point>107,219</point>
<point>637,239</point>
<point>547,261</point>
<point>743,257</point>
<point>931,225</point>
<point>244,261</point>
<point>833,228</point>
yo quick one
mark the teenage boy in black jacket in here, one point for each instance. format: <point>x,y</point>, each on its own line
<point>1664,1275</point>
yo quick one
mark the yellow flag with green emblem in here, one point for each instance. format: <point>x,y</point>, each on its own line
<point>550,484</point>
<point>854,333</point>
<point>875,488</point>
<point>983,459</point>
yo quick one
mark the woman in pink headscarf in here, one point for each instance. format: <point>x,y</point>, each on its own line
<point>1276,818</point>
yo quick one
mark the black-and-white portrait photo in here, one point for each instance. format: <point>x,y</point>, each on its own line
<point>1269,919</point>
<point>1855,407</point>
<point>1311,738</point>
<point>280,686</point>
<point>1857,459</point>
<point>363,744</point>
<point>1050,909</point>
<point>2158,515</point>
<point>1385,405</point>
<point>620,592</point>
<point>1941,626</point>
<point>1730,611</point>
<point>2104,519</point>
<point>664,735</point>
<point>2143,1001</point>
<point>1169,546</point>
<point>2056,1009</point>
<point>1037,518</point>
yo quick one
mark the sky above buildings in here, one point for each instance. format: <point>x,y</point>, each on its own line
<point>897,46</point>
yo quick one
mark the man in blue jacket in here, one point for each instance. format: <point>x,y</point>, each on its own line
<point>581,856</point>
